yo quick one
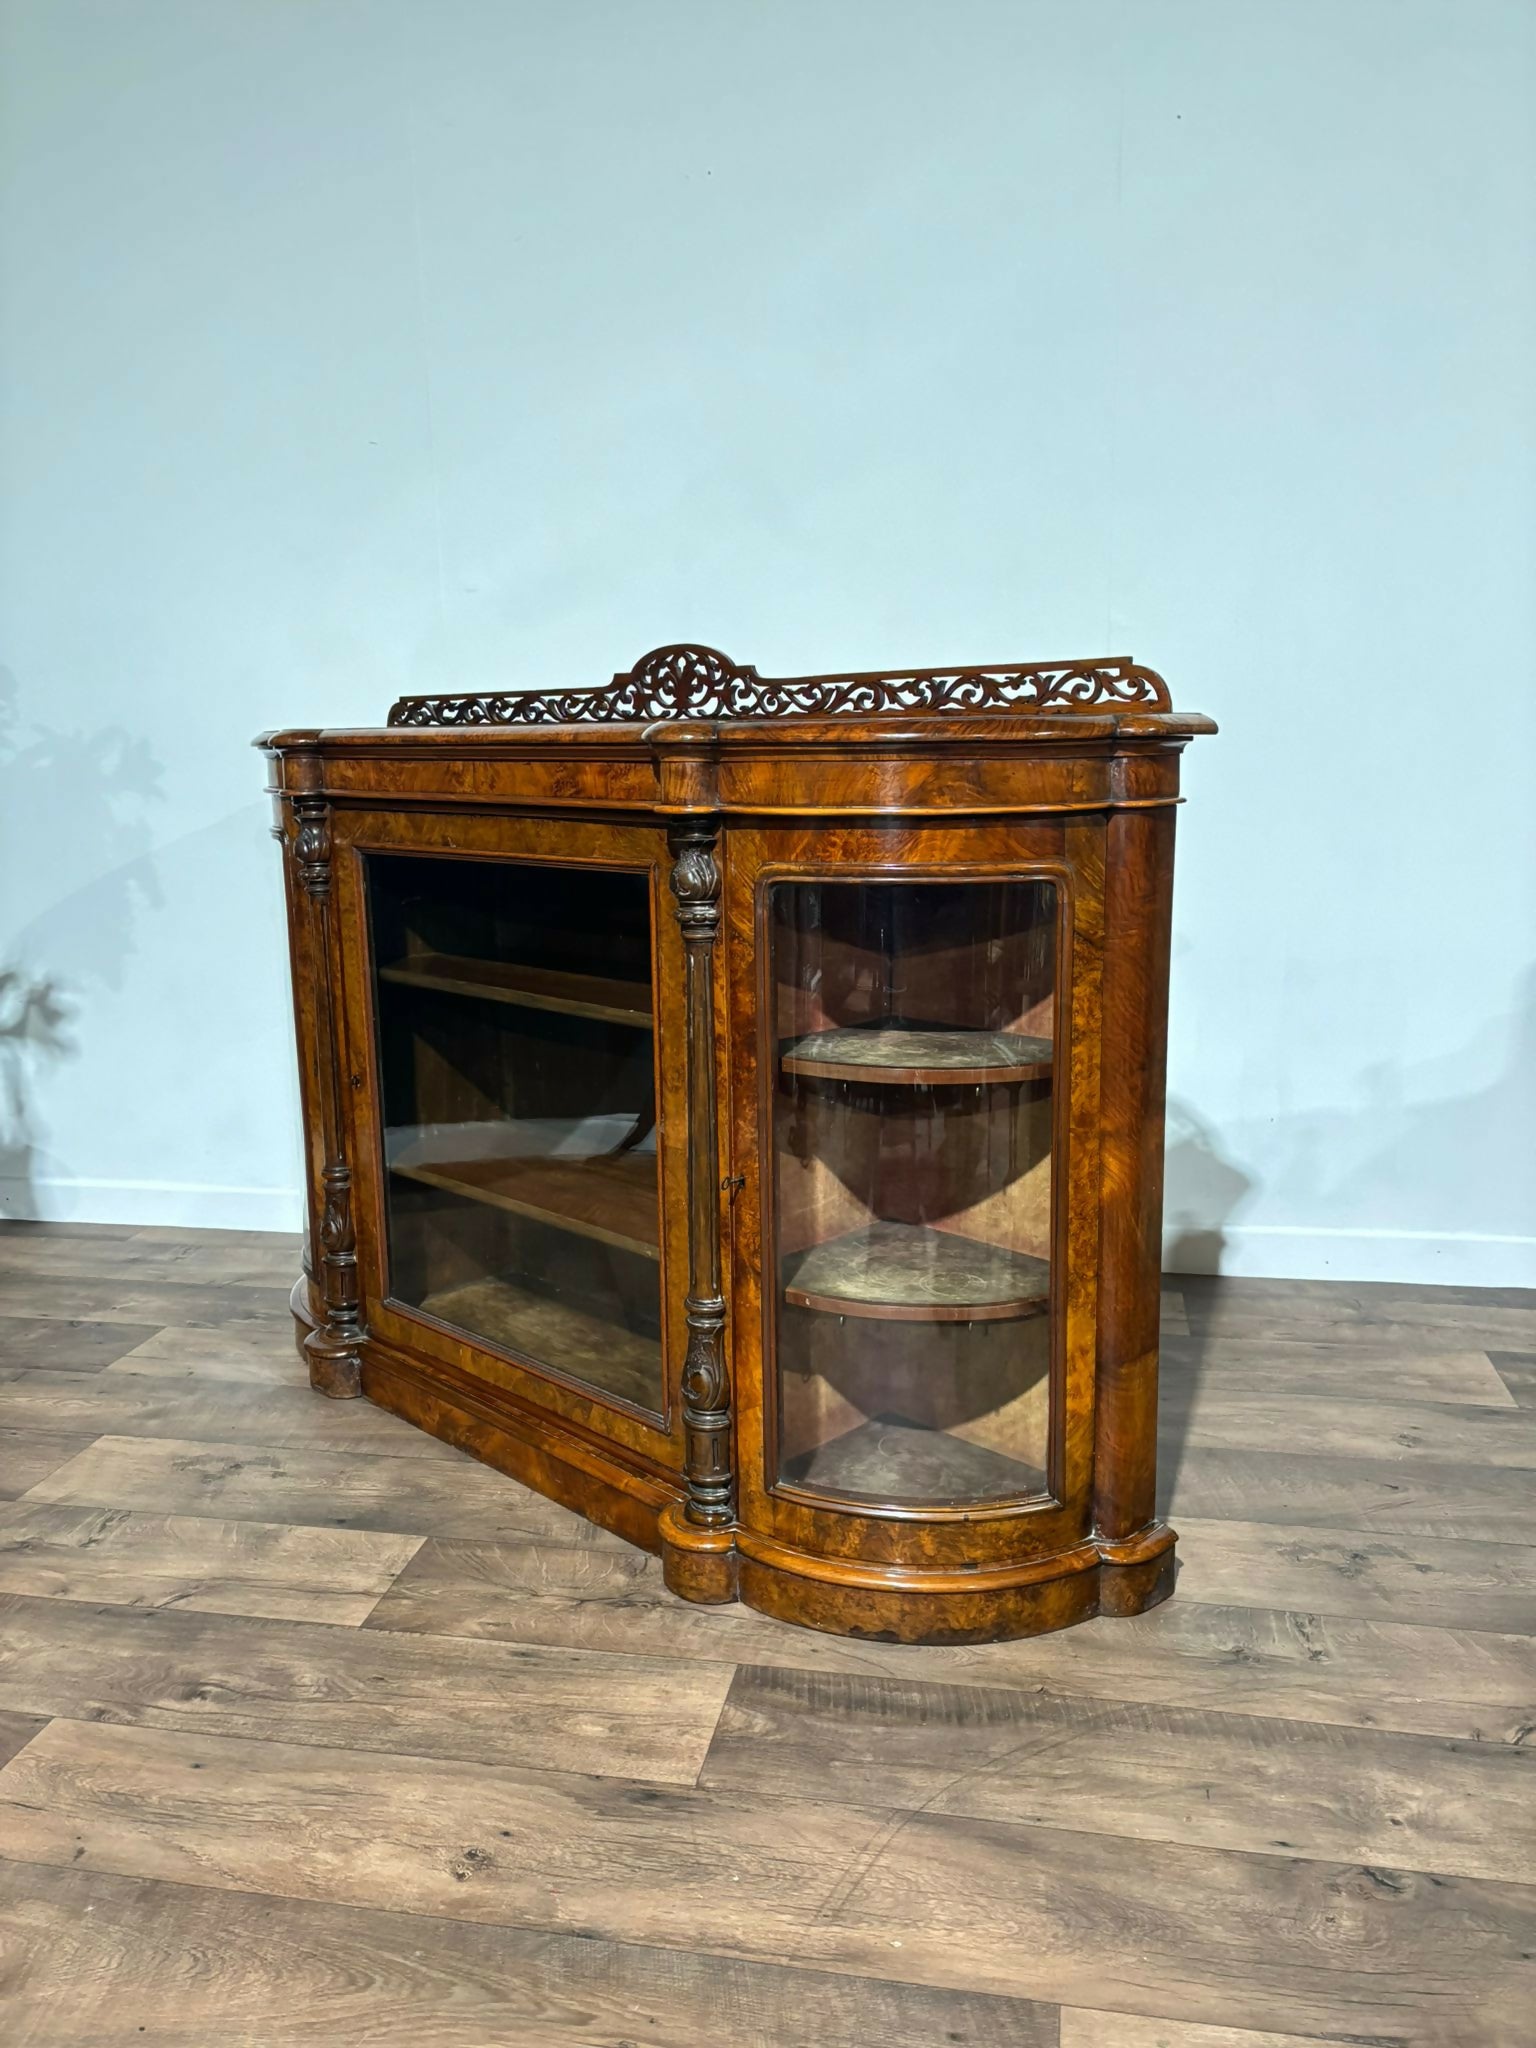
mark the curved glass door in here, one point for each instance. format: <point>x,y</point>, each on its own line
<point>518,1068</point>
<point>912,1130</point>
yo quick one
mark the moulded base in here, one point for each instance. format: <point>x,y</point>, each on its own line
<point>958,1607</point>
<point>713,1567</point>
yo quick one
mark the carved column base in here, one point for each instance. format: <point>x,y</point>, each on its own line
<point>1137,1572</point>
<point>697,1564</point>
<point>334,1369</point>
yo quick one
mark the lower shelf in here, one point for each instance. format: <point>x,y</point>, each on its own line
<point>894,1463</point>
<point>610,1199</point>
<point>905,1272</point>
<point>600,1354</point>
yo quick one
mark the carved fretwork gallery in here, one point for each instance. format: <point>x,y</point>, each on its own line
<point>734,1107</point>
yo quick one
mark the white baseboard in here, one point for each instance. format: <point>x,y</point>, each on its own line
<point>1277,1251</point>
<point>1256,1251</point>
<point>172,1204</point>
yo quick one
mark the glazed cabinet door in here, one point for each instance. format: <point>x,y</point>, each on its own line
<point>915,1041</point>
<point>514,1112</point>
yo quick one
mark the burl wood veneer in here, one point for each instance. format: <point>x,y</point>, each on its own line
<point>735,1108</point>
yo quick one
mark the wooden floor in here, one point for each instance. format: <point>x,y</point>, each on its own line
<point>314,1731</point>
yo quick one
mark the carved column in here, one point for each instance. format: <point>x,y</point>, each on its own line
<point>706,1391</point>
<point>1137,1548</point>
<point>335,1361</point>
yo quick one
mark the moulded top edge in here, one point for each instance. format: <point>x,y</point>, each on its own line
<point>933,729</point>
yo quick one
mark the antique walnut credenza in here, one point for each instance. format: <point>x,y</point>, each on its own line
<point>735,1107</point>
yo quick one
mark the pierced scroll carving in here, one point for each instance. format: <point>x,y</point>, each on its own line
<point>700,682</point>
<point>706,1390</point>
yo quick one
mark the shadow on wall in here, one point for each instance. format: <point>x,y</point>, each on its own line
<point>34,1015</point>
<point>77,799</point>
<point>1202,1191</point>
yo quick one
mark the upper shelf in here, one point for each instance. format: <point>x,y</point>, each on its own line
<point>907,1273</point>
<point>898,1056</point>
<point>610,1198</point>
<point>530,988</point>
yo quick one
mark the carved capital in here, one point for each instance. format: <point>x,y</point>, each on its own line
<point>695,879</point>
<point>312,843</point>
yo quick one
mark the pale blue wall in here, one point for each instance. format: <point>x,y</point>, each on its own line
<point>352,348</point>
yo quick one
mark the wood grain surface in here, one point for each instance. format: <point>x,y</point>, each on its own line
<point>312,1731</point>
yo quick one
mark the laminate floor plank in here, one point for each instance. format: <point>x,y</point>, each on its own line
<point>259,1354</point>
<point>175,1258</point>
<point>16,1731</point>
<point>646,1719</point>
<point>1358,1370</point>
<point>1081,2029</point>
<point>18,1229</point>
<point>115,1557</point>
<point>213,1410</point>
<point>1042,1913</point>
<point>28,1457</point>
<point>291,1241</point>
<point>1436,1581</point>
<point>79,1347</point>
<point>1410,1328</point>
<point>1362,1300</point>
<point>241,1481</point>
<point>1517,1372</point>
<point>1421,1496</point>
<point>1156,1774</point>
<point>96,1961</point>
<point>1221,1416</point>
<point>1241,1660</point>
<point>129,1298</point>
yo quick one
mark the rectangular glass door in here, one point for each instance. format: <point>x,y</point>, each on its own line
<point>912,1092</point>
<point>517,1058</point>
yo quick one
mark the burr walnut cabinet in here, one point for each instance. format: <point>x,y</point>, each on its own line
<point>734,1106</point>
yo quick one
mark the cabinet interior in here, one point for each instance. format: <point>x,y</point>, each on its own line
<point>914,1025</point>
<point>516,1046</point>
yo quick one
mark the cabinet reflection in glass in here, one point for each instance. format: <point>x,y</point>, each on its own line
<point>518,1065</point>
<point>912,1043</point>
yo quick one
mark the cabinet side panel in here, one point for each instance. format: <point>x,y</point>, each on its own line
<point>1139,899</point>
<point>301,973</point>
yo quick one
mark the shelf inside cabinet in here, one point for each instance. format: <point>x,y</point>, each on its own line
<point>529,988</point>
<point>907,1273</point>
<point>888,1459</point>
<point>895,1055</point>
<point>609,1197</point>
<point>616,1361</point>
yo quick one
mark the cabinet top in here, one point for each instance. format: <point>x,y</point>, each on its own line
<point>689,729</point>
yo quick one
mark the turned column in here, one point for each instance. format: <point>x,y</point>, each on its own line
<point>1138,921</point>
<point>332,1347</point>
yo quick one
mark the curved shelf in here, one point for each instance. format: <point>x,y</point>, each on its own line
<point>907,1273</point>
<point>899,1056</point>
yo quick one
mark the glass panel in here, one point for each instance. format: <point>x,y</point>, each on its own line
<point>912,1170</point>
<point>516,1047</point>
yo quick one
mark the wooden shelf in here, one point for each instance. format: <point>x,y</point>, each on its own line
<point>907,1273</point>
<point>893,1462</point>
<point>612,1360</point>
<point>609,1198</point>
<point>529,988</point>
<point>901,1056</point>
